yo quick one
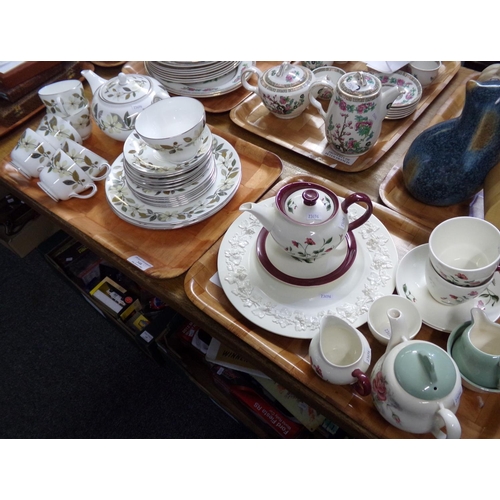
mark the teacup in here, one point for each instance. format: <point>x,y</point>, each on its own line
<point>173,126</point>
<point>31,153</point>
<point>63,98</point>
<point>425,71</point>
<point>80,120</point>
<point>332,74</point>
<point>56,129</point>
<point>477,351</point>
<point>448,293</point>
<point>465,250</point>
<point>63,179</point>
<point>96,167</point>
<point>340,354</point>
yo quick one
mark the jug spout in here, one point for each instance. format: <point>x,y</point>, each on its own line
<point>265,214</point>
<point>95,81</point>
<point>390,94</point>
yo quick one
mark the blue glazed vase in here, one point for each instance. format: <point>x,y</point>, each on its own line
<point>447,163</point>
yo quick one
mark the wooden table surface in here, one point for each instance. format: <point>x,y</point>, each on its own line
<point>477,412</point>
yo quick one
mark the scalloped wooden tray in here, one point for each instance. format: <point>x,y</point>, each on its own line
<point>305,134</point>
<point>393,192</point>
<point>170,252</point>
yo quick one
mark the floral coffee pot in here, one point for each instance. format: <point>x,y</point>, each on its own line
<point>308,220</point>
<point>117,102</point>
<point>284,89</point>
<point>416,385</point>
<point>356,111</point>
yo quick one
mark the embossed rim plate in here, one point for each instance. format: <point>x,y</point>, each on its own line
<point>410,283</point>
<point>277,307</point>
<point>126,206</point>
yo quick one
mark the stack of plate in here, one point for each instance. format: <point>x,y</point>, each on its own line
<point>198,78</point>
<point>146,189</point>
<point>406,103</point>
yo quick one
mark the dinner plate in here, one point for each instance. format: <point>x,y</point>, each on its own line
<point>126,206</point>
<point>410,283</point>
<point>277,307</point>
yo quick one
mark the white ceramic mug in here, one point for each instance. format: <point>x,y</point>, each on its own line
<point>56,129</point>
<point>63,179</point>
<point>425,71</point>
<point>96,167</point>
<point>63,98</point>
<point>340,354</point>
<point>465,250</point>
<point>31,153</point>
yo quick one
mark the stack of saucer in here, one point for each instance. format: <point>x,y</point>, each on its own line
<point>157,181</point>
<point>197,78</point>
<point>406,103</point>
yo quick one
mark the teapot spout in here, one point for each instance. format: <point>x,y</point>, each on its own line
<point>390,94</point>
<point>95,81</point>
<point>265,214</point>
<point>397,323</point>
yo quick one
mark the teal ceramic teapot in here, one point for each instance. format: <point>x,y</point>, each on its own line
<point>448,163</point>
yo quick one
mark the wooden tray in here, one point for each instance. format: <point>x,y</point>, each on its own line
<point>171,252</point>
<point>218,104</point>
<point>393,192</point>
<point>475,413</point>
<point>306,133</point>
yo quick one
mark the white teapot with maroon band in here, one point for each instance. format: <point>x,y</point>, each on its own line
<point>308,220</point>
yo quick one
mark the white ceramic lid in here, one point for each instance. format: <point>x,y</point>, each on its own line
<point>125,89</point>
<point>286,77</point>
<point>307,203</point>
<point>359,84</point>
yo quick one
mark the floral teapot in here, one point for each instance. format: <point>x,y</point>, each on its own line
<point>284,89</point>
<point>117,102</point>
<point>416,385</point>
<point>308,220</point>
<point>356,111</point>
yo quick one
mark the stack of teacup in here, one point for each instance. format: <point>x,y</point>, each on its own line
<point>54,152</point>
<point>464,256</point>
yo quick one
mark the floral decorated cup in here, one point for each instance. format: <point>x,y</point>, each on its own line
<point>63,179</point>
<point>284,89</point>
<point>31,153</point>
<point>96,167</point>
<point>63,98</point>
<point>81,122</point>
<point>56,129</point>
<point>332,74</point>
<point>425,71</point>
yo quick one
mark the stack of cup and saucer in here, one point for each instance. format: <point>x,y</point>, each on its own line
<point>173,171</point>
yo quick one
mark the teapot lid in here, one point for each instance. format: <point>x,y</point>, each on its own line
<point>425,371</point>
<point>307,203</point>
<point>286,77</point>
<point>359,84</point>
<point>125,89</point>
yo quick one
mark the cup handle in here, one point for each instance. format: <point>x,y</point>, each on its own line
<point>107,170</point>
<point>319,84</point>
<point>85,196</point>
<point>355,198</point>
<point>453,429</point>
<point>362,385</point>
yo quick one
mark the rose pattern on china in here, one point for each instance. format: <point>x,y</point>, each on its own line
<point>282,105</point>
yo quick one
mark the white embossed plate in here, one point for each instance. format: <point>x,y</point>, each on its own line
<point>279,307</point>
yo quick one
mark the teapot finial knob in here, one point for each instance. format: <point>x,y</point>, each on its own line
<point>122,78</point>
<point>310,197</point>
<point>283,68</point>
<point>361,79</point>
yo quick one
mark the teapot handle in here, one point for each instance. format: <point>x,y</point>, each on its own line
<point>314,88</point>
<point>244,78</point>
<point>355,198</point>
<point>362,385</point>
<point>453,429</point>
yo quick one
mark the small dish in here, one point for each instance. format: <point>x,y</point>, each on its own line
<point>410,283</point>
<point>378,321</point>
<point>454,335</point>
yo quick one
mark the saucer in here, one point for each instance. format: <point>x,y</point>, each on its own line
<point>285,268</point>
<point>277,307</point>
<point>454,335</point>
<point>410,283</point>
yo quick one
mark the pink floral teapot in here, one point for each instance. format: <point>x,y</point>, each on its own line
<point>308,220</point>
